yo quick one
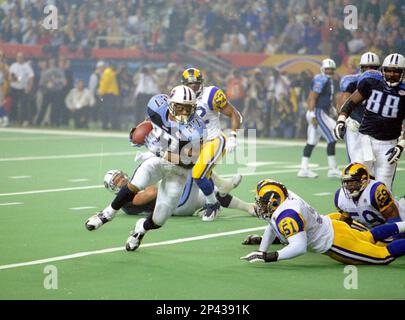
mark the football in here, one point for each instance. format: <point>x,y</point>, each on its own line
<point>141,131</point>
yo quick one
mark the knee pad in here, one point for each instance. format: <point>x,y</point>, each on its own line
<point>308,150</point>
<point>331,149</point>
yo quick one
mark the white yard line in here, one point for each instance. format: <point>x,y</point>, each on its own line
<point>69,156</point>
<point>19,177</point>
<point>11,203</point>
<point>321,194</point>
<point>153,244</point>
<point>81,208</point>
<point>50,190</point>
<point>242,171</point>
<point>79,180</point>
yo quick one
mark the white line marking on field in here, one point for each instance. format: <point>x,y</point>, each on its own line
<point>20,177</point>
<point>11,203</point>
<point>321,194</point>
<point>79,180</point>
<point>50,190</point>
<point>153,244</point>
<point>265,163</point>
<point>69,156</point>
<point>82,208</point>
<point>102,186</point>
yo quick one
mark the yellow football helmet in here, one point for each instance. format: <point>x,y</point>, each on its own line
<point>193,78</point>
<point>355,178</point>
<point>270,195</point>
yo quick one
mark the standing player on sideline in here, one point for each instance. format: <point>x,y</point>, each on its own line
<point>384,112</point>
<point>191,200</point>
<point>320,100</point>
<point>369,62</point>
<point>175,140</point>
<point>211,101</point>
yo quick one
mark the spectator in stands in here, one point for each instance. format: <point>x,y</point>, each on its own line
<point>3,90</point>
<point>79,101</point>
<point>108,92</point>
<point>64,65</point>
<point>236,89</point>
<point>93,87</point>
<point>52,81</point>
<point>21,77</point>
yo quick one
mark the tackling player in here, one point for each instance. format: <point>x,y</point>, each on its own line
<point>211,101</point>
<point>175,140</point>
<point>365,200</point>
<point>191,200</point>
<point>348,84</point>
<point>320,100</point>
<point>300,228</point>
<point>384,112</point>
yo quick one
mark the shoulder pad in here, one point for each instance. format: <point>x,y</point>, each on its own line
<point>371,74</point>
<point>216,99</point>
<point>347,80</point>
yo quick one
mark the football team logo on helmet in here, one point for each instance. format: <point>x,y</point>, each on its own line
<point>270,195</point>
<point>355,178</point>
<point>193,78</point>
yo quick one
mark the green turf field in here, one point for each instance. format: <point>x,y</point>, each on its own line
<point>51,182</point>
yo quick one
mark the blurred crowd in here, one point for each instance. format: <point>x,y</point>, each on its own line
<point>267,26</point>
<point>47,92</point>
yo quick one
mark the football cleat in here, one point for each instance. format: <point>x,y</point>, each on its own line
<point>211,211</point>
<point>306,173</point>
<point>96,221</point>
<point>334,173</point>
<point>136,236</point>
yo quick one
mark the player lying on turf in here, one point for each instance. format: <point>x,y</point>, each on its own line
<point>191,200</point>
<point>300,228</point>
<point>367,201</point>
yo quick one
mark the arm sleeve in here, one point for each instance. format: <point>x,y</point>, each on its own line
<point>297,245</point>
<point>267,239</point>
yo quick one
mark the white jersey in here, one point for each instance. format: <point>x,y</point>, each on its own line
<point>295,215</point>
<point>209,103</point>
<point>375,198</point>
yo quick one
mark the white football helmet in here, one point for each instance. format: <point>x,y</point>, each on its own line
<point>109,178</point>
<point>182,103</point>
<point>369,59</point>
<point>394,61</point>
<point>327,64</point>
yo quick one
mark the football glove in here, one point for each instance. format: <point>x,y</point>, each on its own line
<point>231,142</point>
<point>395,152</point>
<point>340,128</point>
<point>252,239</point>
<point>260,256</point>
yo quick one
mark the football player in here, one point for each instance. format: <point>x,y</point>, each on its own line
<point>175,140</point>
<point>300,228</point>
<point>211,101</point>
<point>320,100</point>
<point>365,200</point>
<point>384,111</point>
<point>191,200</point>
<point>369,62</point>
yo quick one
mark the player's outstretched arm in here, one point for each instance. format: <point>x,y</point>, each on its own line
<point>236,119</point>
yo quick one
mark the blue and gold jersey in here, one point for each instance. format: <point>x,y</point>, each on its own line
<point>349,84</point>
<point>324,87</point>
<point>209,104</point>
<point>384,106</point>
<point>294,215</point>
<point>375,198</point>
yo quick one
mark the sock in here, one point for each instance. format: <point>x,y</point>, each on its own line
<point>224,199</point>
<point>387,230</point>
<point>332,162</point>
<point>109,212</point>
<point>304,163</point>
<point>148,224</point>
<point>331,149</point>
<point>223,185</point>
<point>397,248</point>
<point>241,205</point>
<point>207,187</point>
<point>123,196</point>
